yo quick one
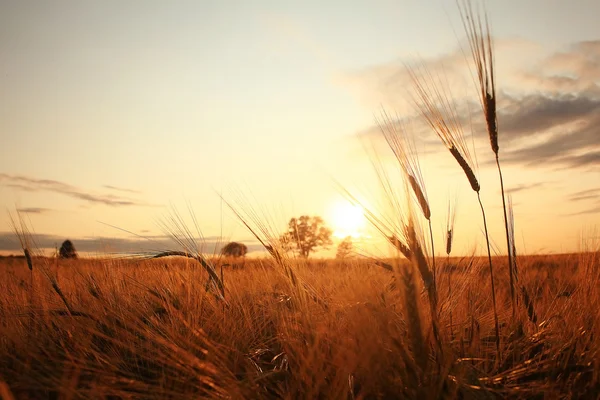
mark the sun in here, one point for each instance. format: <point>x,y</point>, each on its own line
<point>347,220</point>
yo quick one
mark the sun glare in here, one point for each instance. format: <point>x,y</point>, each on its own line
<point>347,220</point>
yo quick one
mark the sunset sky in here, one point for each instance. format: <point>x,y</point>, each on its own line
<point>114,113</point>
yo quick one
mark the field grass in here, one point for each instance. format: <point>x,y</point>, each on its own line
<point>151,329</point>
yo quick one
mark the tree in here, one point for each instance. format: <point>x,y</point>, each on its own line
<point>344,248</point>
<point>67,250</point>
<point>306,234</point>
<point>234,249</point>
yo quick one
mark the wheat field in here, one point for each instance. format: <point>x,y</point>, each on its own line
<point>421,324</point>
<point>151,329</point>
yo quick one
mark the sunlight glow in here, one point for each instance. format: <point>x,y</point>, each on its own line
<point>347,220</point>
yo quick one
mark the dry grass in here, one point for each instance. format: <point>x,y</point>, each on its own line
<point>149,329</point>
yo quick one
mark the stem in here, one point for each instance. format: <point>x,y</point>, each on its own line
<point>432,256</point>
<point>450,294</point>
<point>487,241</point>
<point>511,267</point>
<point>31,306</point>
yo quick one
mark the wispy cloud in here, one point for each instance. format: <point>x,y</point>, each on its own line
<point>593,210</point>
<point>119,189</point>
<point>34,185</point>
<point>34,210</point>
<point>525,186</point>
<point>590,194</point>
<point>9,242</point>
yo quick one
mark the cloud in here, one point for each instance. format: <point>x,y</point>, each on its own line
<point>118,189</point>
<point>586,196</point>
<point>34,210</point>
<point>593,210</point>
<point>540,112</point>
<point>573,69</point>
<point>590,194</point>
<point>542,129</point>
<point>555,120</point>
<point>523,187</point>
<point>548,109</point>
<point>35,185</point>
<point>132,245</point>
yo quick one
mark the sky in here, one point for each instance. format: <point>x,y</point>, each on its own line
<point>115,115</point>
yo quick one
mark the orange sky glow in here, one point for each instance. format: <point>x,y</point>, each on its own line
<point>116,116</point>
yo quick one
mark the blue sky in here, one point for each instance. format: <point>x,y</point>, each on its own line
<point>175,101</point>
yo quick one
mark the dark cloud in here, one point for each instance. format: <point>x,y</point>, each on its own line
<point>537,130</point>
<point>10,242</point>
<point>35,185</point>
<point>557,122</point>
<point>546,130</point>
<point>34,210</point>
<point>540,112</point>
<point>548,116</point>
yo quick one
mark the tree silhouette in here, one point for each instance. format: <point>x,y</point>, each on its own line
<point>306,234</point>
<point>67,250</point>
<point>234,249</point>
<point>344,248</point>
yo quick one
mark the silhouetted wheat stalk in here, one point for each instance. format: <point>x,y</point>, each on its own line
<point>261,230</point>
<point>450,222</point>
<point>391,227</point>
<point>435,104</point>
<point>24,235</point>
<point>209,268</point>
<point>411,305</point>
<point>404,150</point>
<point>527,299</point>
<point>482,53</point>
<point>174,226</point>
<point>402,233</point>
<point>420,262</point>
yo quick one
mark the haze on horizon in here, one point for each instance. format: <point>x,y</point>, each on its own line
<point>112,113</point>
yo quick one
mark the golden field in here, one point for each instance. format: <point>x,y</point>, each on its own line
<point>423,325</point>
<point>338,330</point>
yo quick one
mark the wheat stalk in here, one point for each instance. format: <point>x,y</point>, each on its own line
<point>411,305</point>
<point>466,167</point>
<point>174,226</point>
<point>5,393</point>
<point>450,222</point>
<point>390,227</point>
<point>24,235</point>
<point>527,299</point>
<point>482,53</point>
<point>481,45</point>
<point>396,135</point>
<point>263,233</point>
<point>398,139</point>
<point>420,262</point>
<point>434,101</point>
